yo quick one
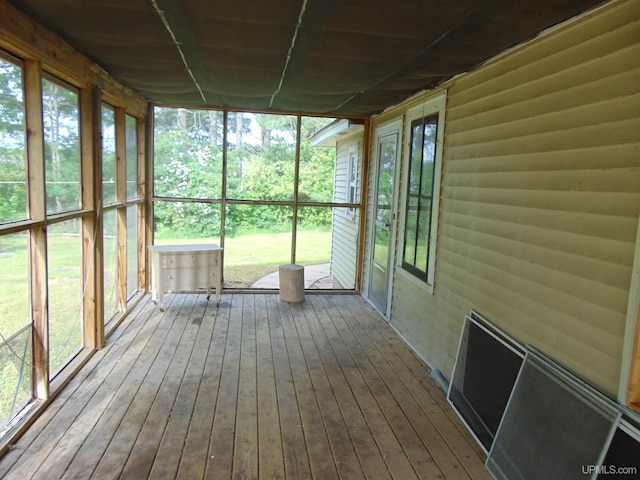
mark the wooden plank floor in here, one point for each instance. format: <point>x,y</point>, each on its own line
<point>256,388</point>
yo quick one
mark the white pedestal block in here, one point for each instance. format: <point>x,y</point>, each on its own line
<point>291,283</point>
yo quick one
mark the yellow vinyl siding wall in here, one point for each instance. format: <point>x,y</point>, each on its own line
<point>540,199</point>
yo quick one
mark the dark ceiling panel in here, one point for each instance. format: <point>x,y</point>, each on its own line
<point>336,57</point>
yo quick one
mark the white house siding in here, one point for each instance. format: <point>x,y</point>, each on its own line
<point>344,234</point>
<point>540,199</point>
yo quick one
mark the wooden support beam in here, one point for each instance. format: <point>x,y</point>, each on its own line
<point>141,191</point>
<point>633,390</point>
<point>121,211</point>
<point>37,235</point>
<point>364,193</point>
<point>92,240</point>
<point>147,174</point>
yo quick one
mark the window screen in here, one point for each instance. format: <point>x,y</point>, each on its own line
<point>486,368</point>
<point>553,428</point>
<point>622,458</point>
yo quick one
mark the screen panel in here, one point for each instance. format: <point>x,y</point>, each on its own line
<point>553,427</point>
<point>622,459</point>
<point>485,371</point>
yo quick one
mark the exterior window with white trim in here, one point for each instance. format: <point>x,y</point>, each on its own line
<point>424,144</point>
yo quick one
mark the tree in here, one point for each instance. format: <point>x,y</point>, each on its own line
<point>62,147</point>
<point>13,195</point>
<point>261,152</point>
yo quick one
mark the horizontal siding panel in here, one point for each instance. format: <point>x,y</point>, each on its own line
<point>602,180</point>
<point>343,250</point>
<point>601,203</point>
<point>521,324</point>
<point>536,276</point>
<point>615,251</point>
<point>593,136</point>
<point>562,75</point>
<point>539,261</point>
<point>509,126</point>
<point>432,328</point>
<point>588,41</point>
<point>585,355</point>
<point>544,96</point>
<point>556,222</point>
<point>617,156</point>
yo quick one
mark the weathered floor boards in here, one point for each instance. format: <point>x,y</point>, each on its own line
<point>256,388</point>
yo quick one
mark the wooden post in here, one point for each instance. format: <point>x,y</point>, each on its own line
<point>121,210</point>
<point>92,225</point>
<point>38,234</point>
<point>633,390</point>
<point>291,283</point>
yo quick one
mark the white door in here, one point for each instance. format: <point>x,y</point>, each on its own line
<point>381,271</point>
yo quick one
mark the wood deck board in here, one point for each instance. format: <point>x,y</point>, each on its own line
<point>401,407</point>
<point>374,397</point>
<point>254,388</point>
<point>221,441</point>
<point>271,461</point>
<point>169,360</point>
<point>361,410</point>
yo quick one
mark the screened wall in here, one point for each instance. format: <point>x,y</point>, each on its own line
<point>254,184</point>
<point>64,234</point>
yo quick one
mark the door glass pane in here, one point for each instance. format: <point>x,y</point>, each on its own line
<point>187,153</point>
<point>13,172</point>
<point>15,326</point>
<point>261,156</point>
<point>62,146</point>
<point>379,274</point>
<point>65,292</point>
<point>257,242</point>
<point>110,243</point>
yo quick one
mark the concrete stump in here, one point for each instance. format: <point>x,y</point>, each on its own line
<point>291,283</point>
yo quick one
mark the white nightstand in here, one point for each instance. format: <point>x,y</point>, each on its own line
<point>185,268</point>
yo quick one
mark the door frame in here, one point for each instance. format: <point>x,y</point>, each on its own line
<point>384,129</point>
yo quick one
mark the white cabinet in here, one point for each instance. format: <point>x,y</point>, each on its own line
<point>185,268</point>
